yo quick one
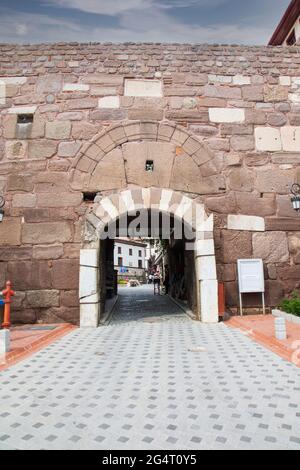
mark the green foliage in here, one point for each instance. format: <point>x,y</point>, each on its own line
<point>291,304</point>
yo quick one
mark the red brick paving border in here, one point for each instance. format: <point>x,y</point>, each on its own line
<point>19,353</point>
<point>261,329</point>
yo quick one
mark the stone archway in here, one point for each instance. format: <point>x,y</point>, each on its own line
<point>115,159</point>
<point>109,208</point>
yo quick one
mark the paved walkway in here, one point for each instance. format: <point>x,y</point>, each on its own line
<point>140,304</point>
<point>162,385</point>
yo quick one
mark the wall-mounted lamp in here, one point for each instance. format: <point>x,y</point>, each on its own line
<point>2,204</point>
<point>296,197</point>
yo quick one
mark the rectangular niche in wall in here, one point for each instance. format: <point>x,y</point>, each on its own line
<point>143,88</point>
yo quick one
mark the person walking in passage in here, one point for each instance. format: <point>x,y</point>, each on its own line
<point>156,281</point>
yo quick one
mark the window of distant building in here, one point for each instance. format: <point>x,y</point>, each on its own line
<point>130,251</point>
<point>140,263</point>
<point>140,253</point>
<point>119,250</point>
<point>120,261</point>
<point>291,40</point>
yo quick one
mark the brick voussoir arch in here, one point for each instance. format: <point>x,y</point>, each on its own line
<point>107,209</point>
<point>101,144</point>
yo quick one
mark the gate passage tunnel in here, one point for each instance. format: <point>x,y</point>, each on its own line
<point>177,241</point>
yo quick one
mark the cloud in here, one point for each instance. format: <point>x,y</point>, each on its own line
<point>155,26</point>
<point>117,7</point>
<point>102,7</point>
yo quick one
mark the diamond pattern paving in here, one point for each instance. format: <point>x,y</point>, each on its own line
<point>162,385</point>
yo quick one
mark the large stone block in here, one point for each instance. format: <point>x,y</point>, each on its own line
<point>225,92</point>
<point>240,179</point>
<point>242,142</point>
<point>235,245</point>
<point>251,204</point>
<point>282,223</point>
<point>16,149</point>
<point>268,139</point>
<point>58,130</point>
<point>42,149</point>
<point>253,93</point>
<point>49,84</point>
<point>151,88</point>
<point>109,102</point>
<point>136,154</point>
<point>60,199</point>
<point>43,298</point>
<point>245,222</point>
<point>19,182</point>
<point>109,174</point>
<point>275,93</point>
<point>226,115</point>
<point>68,149</point>
<point>46,232</point>
<point>274,180</point>
<point>49,252</point>
<point>65,274</point>
<point>272,247</point>
<point>290,137</point>
<point>10,231</point>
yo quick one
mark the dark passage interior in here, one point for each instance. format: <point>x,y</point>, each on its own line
<point>176,262</point>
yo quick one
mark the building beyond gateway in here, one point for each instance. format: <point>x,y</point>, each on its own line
<point>90,132</point>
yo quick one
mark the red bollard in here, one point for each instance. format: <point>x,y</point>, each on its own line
<point>7,294</point>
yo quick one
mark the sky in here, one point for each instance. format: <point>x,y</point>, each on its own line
<point>185,21</point>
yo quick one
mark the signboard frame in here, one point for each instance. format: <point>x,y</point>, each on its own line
<point>253,282</point>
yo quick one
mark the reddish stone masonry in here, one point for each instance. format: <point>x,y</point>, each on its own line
<point>224,122</point>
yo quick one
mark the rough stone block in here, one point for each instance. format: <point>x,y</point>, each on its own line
<point>43,298</point>
<point>209,301</point>
<point>235,245</point>
<point>58,130</point>
<point>68,149</point>
<point>10,231</point>
<point>48,251</point>
<point>65,274</point>
<point>42,149</point>
<point>16,149</point>
<point>46,232</point>
<point>272,247</point>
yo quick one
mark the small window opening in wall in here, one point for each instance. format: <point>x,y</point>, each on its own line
<point>291,40</point>
<point>25,119</point>
<point>149,165</point>
<point>89,197</point>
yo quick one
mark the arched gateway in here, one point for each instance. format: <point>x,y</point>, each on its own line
<point>109,209</point>
<point>179,163</point>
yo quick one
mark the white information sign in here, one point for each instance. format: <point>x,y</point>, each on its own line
<point>251,275</point>
<point>251,279</point>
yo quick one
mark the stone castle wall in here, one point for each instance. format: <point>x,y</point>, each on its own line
<point>221,123</point>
